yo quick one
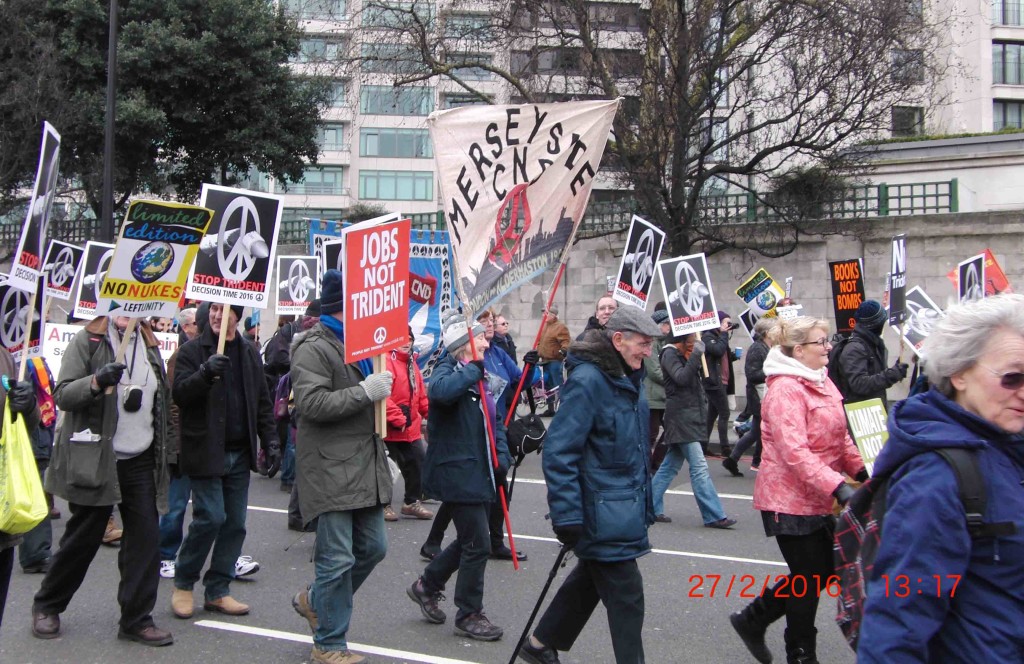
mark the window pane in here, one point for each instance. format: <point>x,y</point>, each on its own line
<point>388,100</point>
<point>397,185</point>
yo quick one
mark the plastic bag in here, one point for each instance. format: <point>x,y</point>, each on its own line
<point>22,502</point>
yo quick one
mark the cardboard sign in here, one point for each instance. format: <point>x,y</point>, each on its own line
<point>20,326</point>
<point>789,287</point>
<point>87,287</point>
<point>236,257</point>
<point>898,281</point>
<point>847,291</point>
<point>749,319</point>
<point>868,428</point>
<point>152,258</point>
<point>636,269</point>
<point>297,284</point>
<point>971,279</point>
<point>789,312</point>
<point>686,283</point>
<point>60,267</point>
<point>28,261</point>
<point>761,293</point>
<point>995,279</point>
<point>922,315</point>
<point>58,337</point>
<point>376,288</point>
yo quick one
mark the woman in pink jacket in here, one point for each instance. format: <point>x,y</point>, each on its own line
<point>806,452</point>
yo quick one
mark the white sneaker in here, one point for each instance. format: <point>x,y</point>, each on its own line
<point>245,566</point>
<point>167,569</point>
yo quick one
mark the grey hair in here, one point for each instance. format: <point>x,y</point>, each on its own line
<point>958,340</point>
<point>186,316</point>
<point>764,325</point>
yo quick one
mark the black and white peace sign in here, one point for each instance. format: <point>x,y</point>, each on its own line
<point>101,272</point>
<point>299,281</point>
<point>643,260</point>
<point>238,262</point>
<point>920,318</point>
<point>973,288</point>
<point>690,292</point>
<point>63,268</point>
<point>14,317</point>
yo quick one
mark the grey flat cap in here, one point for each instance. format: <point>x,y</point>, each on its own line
<point>628,318</point>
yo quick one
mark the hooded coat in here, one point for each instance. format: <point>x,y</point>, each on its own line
<point>863,366</point>
<point>595,454</point>
<point>686,406</point>
<point>408,389</point>
<point>984,620</point>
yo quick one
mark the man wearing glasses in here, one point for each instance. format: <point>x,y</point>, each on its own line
<point>862,360</point>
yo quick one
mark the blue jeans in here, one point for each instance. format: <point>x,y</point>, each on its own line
<point>703,489</point>
<point>218,522</point>
<point>288,460</point>
<point>172,524</point>
<point>348,546</point>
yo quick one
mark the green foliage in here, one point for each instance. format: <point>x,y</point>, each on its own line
<point>364,211</point>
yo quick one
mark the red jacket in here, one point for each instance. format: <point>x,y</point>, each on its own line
<point>398,365</point>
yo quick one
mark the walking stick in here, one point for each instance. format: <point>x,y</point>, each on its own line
<point>559,562</point>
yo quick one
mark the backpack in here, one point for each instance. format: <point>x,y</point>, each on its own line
<point>835,372</point>
<point>858,535</point>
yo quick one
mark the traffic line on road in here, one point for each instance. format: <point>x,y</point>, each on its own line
<point>685,554</point>
<point>734,496</point>
<point>403,655</point>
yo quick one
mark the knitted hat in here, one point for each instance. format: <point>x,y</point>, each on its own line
<point>250,324</point>
<point>332,292</point>
<point>313,309</point>
<point>456,333</point>
<point>871,313</point>
<point>660,316</point>
<point>628,318</point>
<point>239,310</point>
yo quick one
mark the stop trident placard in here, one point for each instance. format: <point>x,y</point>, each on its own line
<point>376,287</point>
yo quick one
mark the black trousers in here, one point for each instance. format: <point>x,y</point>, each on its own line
<point>467,555</point>
<point>619,587</point>
<point>139,557</point>
<point>495,520</point>
<point>718,410</point>
<point>6,567</point>
<point>409,458</point>
<point>808,556</point>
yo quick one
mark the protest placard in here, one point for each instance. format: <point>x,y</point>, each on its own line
<point>376,274</point>
<point>60,267</point>
<point>237,255</point>
<point>636,269</point>
<point>58,337</point>
<point>297,284</point>
<point>922,315</point>
<point>898,281</point>
<point>761,293</point>
<point>971,281</point>
<point>87,285</point>
<point>686,283</point>
<point>995,279</point>
<point>868,428</point>
<point>28,259</point>
<point>21,317</point>
<point>152,258</point>
<point>749,319</point>
<point>847,291</point>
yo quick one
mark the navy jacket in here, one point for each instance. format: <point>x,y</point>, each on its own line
<point>457,466</point>
<point>595,454</point>
<point>925,534</point>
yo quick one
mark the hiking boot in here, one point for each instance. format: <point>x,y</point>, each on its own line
<point>227,605</point>
<point>246,566</point>
<point>335,657</point>
<point>182,604</point>
<point>533,655</point>
<point>730,464</point>
<point>418,511</point>
<point>722,524</point>
<point>661,518</point>
<point>477,626</point>
<point>427,601</point>
<point>112,535</point>
<point>302,607</point>
<point>752,633</point>
<point>389,514</point>
<point>150,635</point>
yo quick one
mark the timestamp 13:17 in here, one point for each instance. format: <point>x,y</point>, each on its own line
<point>902,585</point>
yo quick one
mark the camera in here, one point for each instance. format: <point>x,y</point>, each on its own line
<point>131,398</point>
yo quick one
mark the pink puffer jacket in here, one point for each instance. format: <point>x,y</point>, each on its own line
<point>805,442</point>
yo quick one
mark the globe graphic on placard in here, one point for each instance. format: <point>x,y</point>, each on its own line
<point>766,300</point>
<point>152,261</point>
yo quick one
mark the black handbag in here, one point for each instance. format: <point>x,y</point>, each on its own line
<point>526,434</point>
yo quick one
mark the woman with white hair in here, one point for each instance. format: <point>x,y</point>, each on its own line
<point>943,590</point>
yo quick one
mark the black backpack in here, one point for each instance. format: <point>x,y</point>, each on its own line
<point>858,533</point>
<point>835,372</point>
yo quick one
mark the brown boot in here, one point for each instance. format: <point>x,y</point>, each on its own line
<point>181,603</point>
<point>418,511</point>
<point>227,605</point>
<point>335,657</point>
<point>112,535</point>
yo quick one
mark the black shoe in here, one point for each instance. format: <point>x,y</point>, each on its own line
<point>45,625</point>
<point>427,601</point>
<point>504,553</point>
<point>296,525</point>
<point>722,524</point>
<point>801,649</point>
<point>730,464</point>
<point>286,488</point>
<point>752,634</point>
<point>150,635</point>
<point>38,568</point>
<point>477,626</point>
<point>661,518</point>
<point>430,553</point>
<point>533,655</point>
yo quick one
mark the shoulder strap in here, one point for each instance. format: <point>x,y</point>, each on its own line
<point>973,493</point>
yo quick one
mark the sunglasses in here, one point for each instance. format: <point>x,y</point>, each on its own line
<point>1011,380</point>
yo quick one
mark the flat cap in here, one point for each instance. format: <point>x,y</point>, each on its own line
<point>628,318</point>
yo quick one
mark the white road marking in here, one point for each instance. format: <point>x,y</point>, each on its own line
<point>670,552</point>
<point>735,496</point>
<point>303,638</point>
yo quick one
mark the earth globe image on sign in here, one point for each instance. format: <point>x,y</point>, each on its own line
<point>152,261</point>
<point>766,300</point>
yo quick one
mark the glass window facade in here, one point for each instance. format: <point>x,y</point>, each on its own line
<point>1007,63</point>
<point>396,185</point>
<point>400,143</point>
<point>1007,114</point>
<point>389,100</point>
<point>323,180</point>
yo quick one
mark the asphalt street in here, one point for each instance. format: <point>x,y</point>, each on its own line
<point>388,627</point>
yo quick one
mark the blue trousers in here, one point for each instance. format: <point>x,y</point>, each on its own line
<point>703,489</point>
<point>172,524</point>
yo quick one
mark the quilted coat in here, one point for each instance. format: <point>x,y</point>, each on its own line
<point>408,389</point>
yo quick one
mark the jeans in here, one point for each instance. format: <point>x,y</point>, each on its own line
<point>553,377</point>
<point>218,522</point>
<point>36,543</point>
<point>751,437</point>
<point>172,524</point>
<point>467,554</point>
<point>288,455</point>
<point>348,546</point>
<point>703,489</point>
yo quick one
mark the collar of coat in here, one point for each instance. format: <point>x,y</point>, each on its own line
<point>596,348</point>
<point>101,324</point>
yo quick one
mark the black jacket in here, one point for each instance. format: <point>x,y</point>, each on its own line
<point>863,365</point>
<point>753,368</point>
<point>686,407</point>
<point>203,407</point>
<point>716,345</point>
<point>592,324</point>
<point>506,344</point>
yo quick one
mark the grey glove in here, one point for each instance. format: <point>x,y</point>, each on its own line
<point>698,347</point>
<point>378,385</point>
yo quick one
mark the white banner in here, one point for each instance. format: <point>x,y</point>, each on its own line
<point>58,337</point>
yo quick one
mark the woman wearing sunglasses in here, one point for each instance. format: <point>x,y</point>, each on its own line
<point>806,451</point>
<point>976,369</point>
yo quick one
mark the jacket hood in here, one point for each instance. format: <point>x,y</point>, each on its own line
<point>596,348</point>
<point>929,421</point>
<point>777,364</point>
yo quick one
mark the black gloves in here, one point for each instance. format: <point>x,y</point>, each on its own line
<point>569,535</point>
<point>273,458</point>
<point>843,493</point>
<point>22,396</point>
<point>408,414</point>
<point>108,375</point>
<point>862,476</point>
<point>897,372</point>
<point>215,367</point>
<point>479,365</point>
<point>561,352</point>
<point>531,357</point>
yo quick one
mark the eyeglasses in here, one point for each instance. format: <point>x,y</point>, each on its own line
<point>1010,380</point>
<point>505,324</point>
<point>820,342</point>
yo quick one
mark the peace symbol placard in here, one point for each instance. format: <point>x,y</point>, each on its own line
<point>691,300</point>
<point>636,270</point>
<point>60,267</point>
<point>297,284</point>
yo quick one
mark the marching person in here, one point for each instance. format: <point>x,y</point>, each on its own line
<point>599,489</point>
<point>753,370</point>
<point>407,408</point>
<point>225,408</point>
<point>552,348</point>
<point>605,307</point>
<point>862,361</point>
<point>719,358</point>
<point>654,385</point>
<point>110,450</point>
<point>502,337</point>
<point>34,552</point>
<point>342,474</point>
<point>459,471</point>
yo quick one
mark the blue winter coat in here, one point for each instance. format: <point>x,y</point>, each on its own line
<point>595,454</point>
<point>498,363</point>
<point>457,466</point>
<point>925,535</point>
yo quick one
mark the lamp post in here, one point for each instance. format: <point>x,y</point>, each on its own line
<point>106,226</point>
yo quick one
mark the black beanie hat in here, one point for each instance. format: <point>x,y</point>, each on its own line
<point>871,314</point>
<point>239,310</point>
<point>332,292</point>
<point>313,309</point>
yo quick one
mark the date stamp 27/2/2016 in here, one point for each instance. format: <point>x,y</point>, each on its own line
<point>749,586</point>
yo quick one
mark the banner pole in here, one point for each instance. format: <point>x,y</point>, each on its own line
<point>122,348</point>
<point>28,334</point>
<point>903,324</point>
<point>380,413</point>
<point>225,320</point>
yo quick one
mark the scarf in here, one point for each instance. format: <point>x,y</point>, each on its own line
<point>336,326</point>
<point>43,381</point>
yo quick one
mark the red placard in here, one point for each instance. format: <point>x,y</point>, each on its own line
<point>376,288</point>
<point>995,279</point>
